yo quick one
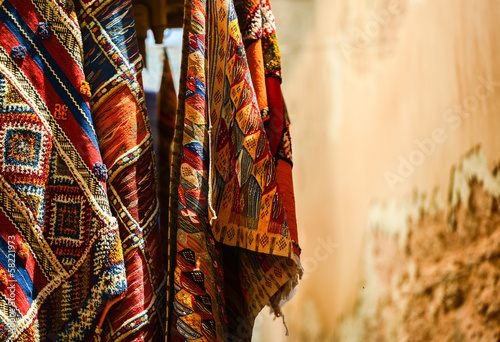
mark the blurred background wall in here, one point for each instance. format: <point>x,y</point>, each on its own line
<point>395,109</point>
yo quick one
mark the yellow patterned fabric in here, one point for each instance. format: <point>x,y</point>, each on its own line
<point>236,238</point>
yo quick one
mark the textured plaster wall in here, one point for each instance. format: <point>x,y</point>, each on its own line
<point>386,98</point>
<point>437,277</point>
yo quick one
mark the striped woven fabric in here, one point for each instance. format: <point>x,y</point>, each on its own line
<point>237,247</point>
<point>79,238</point>
<point>80,248</point>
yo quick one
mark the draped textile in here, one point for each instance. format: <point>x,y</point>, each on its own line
<point>231,196</point>
<point>166,112</point>
<point>167,106</point>
<point>79,239</point>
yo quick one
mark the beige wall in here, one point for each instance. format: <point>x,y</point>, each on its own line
<point>368,84</point>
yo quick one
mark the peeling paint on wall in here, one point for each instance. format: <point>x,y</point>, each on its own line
<point>473,167</point>
<point>392,218</point>
<point>427,280</point>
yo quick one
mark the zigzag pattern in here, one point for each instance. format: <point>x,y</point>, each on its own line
<point>67,32</point>
<point>229,192</point>
<point>86,179</point>
<point>73,99</point>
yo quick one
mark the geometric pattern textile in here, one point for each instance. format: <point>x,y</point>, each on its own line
<point>237,247</point>
<point>113,66</point>
<point>79,248</point>
<point>81,257</point>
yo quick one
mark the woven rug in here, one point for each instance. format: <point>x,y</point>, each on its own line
<point>237,246</point>
<point>79,239</point>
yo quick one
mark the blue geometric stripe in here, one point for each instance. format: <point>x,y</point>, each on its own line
<point>117,19</point>
<point>105,70</point>
<point>21,275</point>
<point>84,119</point>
